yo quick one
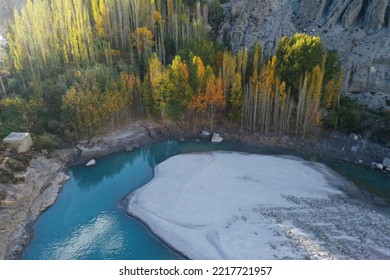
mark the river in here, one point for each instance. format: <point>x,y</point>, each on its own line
<point>87,223</point>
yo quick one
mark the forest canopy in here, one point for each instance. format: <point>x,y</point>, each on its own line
<point>74,66</point>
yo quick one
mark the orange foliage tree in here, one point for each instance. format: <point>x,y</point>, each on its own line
<point>211,100</point>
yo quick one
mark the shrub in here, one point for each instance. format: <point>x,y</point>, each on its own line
<point>350,115</point>
<point>46,141</point>
<point>6,177</point>
<point>54,126</point>
<point>331,119</point>
<point>15,165</point>
<point>347,116</point>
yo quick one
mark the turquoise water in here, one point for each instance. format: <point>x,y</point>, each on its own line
<point>86,222</point>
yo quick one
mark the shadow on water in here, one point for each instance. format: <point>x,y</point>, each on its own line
<point>86,222</point>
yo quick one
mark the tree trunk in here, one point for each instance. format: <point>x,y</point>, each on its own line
<point>2,85</point>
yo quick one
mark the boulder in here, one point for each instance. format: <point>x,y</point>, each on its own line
<point>205,133</point>
<point>182,139</point>
<point>354,136</point>
<point>216,138</point>
<point>386,163</point>
<point>375,16</point>
<point>355,149</point>
<point>377,165</point>
<point>91,162</point>
<point>352,13</point>
<point>19,140</point>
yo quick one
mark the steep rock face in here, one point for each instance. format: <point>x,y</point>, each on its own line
<point>375,16</point>
<point>357,29</point>
<point>352,13</point>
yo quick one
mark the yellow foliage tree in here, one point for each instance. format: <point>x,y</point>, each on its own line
<point>142,39</point>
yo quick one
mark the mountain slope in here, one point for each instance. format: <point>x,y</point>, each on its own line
<point>358,29</point>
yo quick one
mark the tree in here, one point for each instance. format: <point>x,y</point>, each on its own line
<point>228,72</point>
<point>99,11</point>
<point>236,99</point>
<point>211,99</point>
<point>181,92</point>
<point>153,91</point>
<point>308,105</point>
<point>214,99</point>
<point>331,95</point>
<point>296,56</point>
<point>142,39</point>
<point>197,75</point>
<point>99,97</point>
<point>333,67</point>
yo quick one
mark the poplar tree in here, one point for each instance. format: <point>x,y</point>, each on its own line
<point>236,99</point>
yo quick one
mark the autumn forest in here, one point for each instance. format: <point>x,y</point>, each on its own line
<point>74,66</point>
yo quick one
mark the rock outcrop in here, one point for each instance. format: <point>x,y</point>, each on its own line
<point>36,190</point>
<point>357,29</point>
<point>352,13</point>
<point>375,16</point>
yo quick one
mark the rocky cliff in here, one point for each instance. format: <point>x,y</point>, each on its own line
<point>24,198</point>
<point>358,29</point>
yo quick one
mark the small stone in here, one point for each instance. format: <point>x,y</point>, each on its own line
<point>216,138</point>
<point>91,162</point>
<point>376,165</point>
<point>182,139</point>
<point>205,133</point>
<point>355,149</point>
<point>354,136</point>
<point>379,166</point>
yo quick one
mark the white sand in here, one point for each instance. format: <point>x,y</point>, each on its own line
<point>237,206</point>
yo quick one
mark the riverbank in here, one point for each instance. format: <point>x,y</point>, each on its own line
<point>25,201</point>
<point>329,143</point>
<point>325,143</point>
<point>45,177</point>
